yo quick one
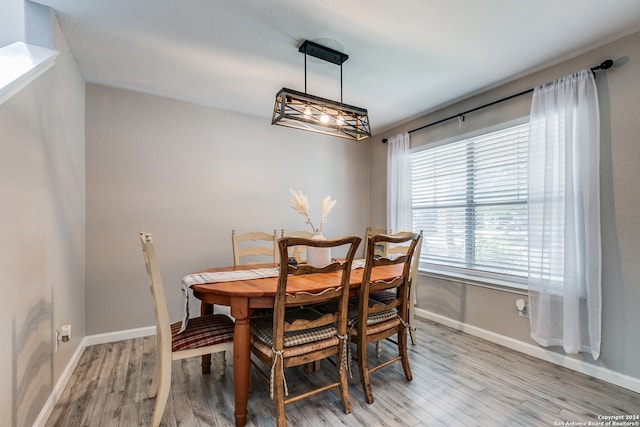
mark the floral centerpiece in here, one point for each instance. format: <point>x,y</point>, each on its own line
<point>300,203</point>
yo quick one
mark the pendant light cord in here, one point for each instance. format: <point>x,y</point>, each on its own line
<point>340,83</point>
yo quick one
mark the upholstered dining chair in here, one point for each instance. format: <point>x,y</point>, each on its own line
<point>375,320</point>
<point>203,335</point>
<point>299,253</point>
<point>254,244</point>
<point>302,335</point>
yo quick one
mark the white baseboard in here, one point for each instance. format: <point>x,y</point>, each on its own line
<point>119,335</point>
<point>87,341</point>
<point>595,371</point>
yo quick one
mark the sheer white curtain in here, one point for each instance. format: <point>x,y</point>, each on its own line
<point>564,215</point>
<point>399,183</point>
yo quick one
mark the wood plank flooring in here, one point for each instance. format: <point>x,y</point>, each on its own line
<point>458,380</point>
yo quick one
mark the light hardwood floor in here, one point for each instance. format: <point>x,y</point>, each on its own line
<point>458,380</point>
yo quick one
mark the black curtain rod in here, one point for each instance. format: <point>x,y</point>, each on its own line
<point>605,65</point>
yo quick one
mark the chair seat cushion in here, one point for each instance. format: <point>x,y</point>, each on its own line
<point>328,307</point>
<point>382,316</point>
<point>376,298</point>
<point>201,332</point>
<point>296,350</point>
<point>383,296</point>
<point>392,323</point>
<point>262,328</point>
<point>373,318</point>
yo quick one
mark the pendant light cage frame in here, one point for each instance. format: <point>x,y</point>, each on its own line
<point>300,110</point>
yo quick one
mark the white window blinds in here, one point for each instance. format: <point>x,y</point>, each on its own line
<point>470,200</point>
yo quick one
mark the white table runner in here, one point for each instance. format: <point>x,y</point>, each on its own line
<point>231,276</point>
<point>220,276</point>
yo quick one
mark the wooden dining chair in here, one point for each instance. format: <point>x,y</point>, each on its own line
<point>376,320</point>
<point>385,296</point>
<point>254,244</point>
<point>203,335</point>
<point>302,335</point>
<point>299,253</point>
<point>380,250</point>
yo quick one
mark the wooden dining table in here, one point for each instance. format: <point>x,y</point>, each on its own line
<point>244,296</point>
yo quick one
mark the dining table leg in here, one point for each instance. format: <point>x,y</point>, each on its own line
<point>241,357</point>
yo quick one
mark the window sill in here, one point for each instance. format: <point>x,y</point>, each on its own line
<point>21,64</point>
<point>520,288</point>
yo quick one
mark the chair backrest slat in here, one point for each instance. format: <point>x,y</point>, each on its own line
<point>254,244</point>
<point>157,292</point>
<point>380,249</point>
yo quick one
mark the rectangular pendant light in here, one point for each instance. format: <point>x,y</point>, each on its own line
<point>308,112</point>
<point>301,110</point>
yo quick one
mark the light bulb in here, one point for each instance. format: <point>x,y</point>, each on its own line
<point>307,112</point>
<point>324,118</point>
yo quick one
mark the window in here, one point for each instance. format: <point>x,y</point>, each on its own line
<point>470,200</point>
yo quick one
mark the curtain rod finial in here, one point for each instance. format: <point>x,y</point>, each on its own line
<point>606,64</point>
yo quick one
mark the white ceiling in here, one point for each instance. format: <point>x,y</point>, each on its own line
<point>406,57</point>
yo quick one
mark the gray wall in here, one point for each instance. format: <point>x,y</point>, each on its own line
<point>619,94</point>
<point>189,175</point>
<point>42,238</point>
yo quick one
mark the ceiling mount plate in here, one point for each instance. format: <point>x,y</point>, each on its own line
<point>322,52</point>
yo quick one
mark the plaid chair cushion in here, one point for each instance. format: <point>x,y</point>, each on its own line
<point>379,327</point>
<point>331,307</point>
<point>383,296</point>
<point>262,328</point>
<point>295,350</point>
<point>201,332</point>
<point>375,318</point>
<point>328,307</point>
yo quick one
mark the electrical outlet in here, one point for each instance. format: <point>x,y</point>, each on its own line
<point>522,307</point>
<point>63,334</point>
